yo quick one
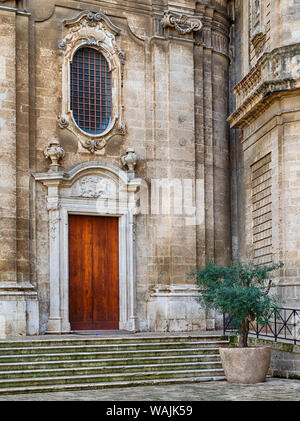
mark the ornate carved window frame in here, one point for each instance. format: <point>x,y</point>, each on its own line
<point>94,30</point>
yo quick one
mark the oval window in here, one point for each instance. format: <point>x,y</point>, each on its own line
<point>91,91</point>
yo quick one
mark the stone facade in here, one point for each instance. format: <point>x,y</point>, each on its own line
<point>265,148</point>
<point>168,149</point>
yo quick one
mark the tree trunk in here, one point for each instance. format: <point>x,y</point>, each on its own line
<point>243,341</point>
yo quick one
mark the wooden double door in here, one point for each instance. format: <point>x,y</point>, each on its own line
<point>93,272</point>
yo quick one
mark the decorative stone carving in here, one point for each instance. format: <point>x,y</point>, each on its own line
<point>182,23</point>
<point>53,227</point>
<point>257,35</point>
<point>80,190</point>
<point>255,7</point>
<point>63,122</point>
<point>122,57</point>
<point>274,73</point>
<point>275,67</point>
<point>55,153</point>
<point>62,45</point>
<point>93,41</point>
<point>93,145</point>
<point>97,31</point>
<point>295,66</point>
<point>95,186</point>
<point>130,160</point>
<point>121,130</point>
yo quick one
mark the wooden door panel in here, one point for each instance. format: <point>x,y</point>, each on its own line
<point>80,271</point>
<point>106,273</point>
<point>93,272</point>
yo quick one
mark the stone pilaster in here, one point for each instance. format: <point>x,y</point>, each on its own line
<point>8,268</point>
<point>18,300</point>
<point>54,321</point>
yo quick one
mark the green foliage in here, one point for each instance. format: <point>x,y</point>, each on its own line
<point>240,289</point>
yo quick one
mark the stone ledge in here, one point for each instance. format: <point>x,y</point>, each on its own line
<point>260,99</point>
<point>279,346</point>
<point>285,360</point>
<point>276,72</point>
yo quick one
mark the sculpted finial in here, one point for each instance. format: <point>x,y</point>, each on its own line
<point>130,160</point>
<point>55,153</point>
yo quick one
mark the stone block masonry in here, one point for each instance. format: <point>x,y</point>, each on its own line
<point>285,358</point>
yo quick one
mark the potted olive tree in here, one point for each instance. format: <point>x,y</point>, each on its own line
<point>241,290</point>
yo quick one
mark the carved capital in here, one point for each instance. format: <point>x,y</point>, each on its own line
<point>53,204</point>
<point>55,153</point>
<point>182,23</point>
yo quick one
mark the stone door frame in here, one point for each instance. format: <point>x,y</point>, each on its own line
<point>63,199</point>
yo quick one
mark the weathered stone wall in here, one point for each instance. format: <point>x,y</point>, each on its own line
<point>285,358</point>
<point>174,103</point>
<point>18,303</point>
<point>265,118</point>
<point>8,147</point>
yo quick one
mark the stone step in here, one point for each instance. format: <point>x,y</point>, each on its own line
<point>109,362</point>
<point>106,378</point>
<point>87,363</point>
<point>106,354</point>
<point>107,370</point>
<point>105,340</point>
<point>117,384</point>
<point>111,347</point>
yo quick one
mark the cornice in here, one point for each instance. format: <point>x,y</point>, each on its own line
<point>276,73</point>
<point>261,99</point>
<point>15,10</point>
<point>108,7</point>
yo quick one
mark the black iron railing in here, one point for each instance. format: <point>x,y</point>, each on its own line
<point>283,325</point>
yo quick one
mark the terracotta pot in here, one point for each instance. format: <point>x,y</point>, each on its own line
<point>246,365</point>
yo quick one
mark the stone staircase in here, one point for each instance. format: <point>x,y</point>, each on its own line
<point>63,364</point>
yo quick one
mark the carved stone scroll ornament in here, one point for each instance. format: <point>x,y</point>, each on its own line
<point>182,23</point>
<point>55,153</point>
<point>63,122</point>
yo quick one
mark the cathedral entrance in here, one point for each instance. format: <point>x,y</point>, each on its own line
<point>93,272</point>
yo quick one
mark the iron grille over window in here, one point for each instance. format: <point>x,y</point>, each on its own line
<point>90,90</point>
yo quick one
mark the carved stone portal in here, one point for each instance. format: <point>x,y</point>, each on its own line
<point>91,188</point>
